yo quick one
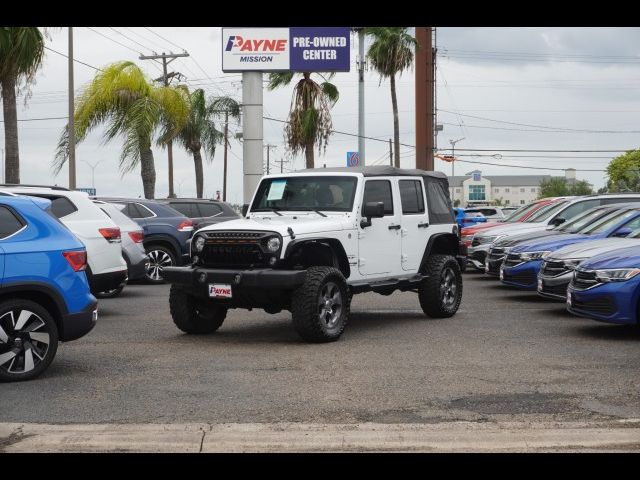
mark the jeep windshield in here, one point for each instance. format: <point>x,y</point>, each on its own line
<point>333,194</point>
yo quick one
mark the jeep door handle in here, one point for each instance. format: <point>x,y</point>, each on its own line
<point>423,225</point>
<point>394,227</point>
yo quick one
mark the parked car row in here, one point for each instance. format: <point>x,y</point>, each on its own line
<point>60,249</point>
<point>584,251</point>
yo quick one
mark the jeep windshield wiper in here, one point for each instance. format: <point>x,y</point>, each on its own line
<point>319,212</point>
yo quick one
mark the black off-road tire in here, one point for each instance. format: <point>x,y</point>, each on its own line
<point>194,315</point>
<point>431,292</point>
<point>305,307</point>
<point>49,326</point>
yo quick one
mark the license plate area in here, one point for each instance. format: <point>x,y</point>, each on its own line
<point>220,290</point>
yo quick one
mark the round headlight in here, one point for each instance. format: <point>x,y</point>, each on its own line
<point>198,243</point>
<point>273,244</point>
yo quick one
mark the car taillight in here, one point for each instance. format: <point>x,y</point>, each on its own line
<point>137,236</point>
<point>112,235</point>
<point>186,226</point>
<point>77,259</point>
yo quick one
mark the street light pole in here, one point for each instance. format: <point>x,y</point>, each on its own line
<point>453,154</point>
<point>93,171</point>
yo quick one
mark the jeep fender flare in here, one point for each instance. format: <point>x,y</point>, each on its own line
<point>440,243</point>
<point>332,244</point>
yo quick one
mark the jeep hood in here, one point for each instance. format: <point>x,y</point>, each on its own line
<point>596,247</point>
<point>301,224</point>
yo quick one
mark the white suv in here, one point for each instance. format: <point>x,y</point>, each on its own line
<point>107,270</point>
<point>314,238</point>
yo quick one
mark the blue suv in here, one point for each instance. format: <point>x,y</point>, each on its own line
<point>44,292</point>
<point>607,287</point>
<point>167,233</point>
<point>523,262</point>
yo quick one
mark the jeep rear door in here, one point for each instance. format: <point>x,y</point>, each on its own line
<point>379,243</point>
<point>415,225</point>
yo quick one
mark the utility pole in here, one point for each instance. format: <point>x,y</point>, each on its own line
<point>281,160</point>
<point>165,79</point>
<point>390,153</point>
<point>361,64</point>
<point>453,154</point>
<point>3,180</point>
<point>425,88</point>
<point>72,127</point>
<point>226,143</point>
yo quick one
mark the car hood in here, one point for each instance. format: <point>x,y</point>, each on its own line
<point>620,258</point>
<point>512,229</point>
<point>301,223</point>
<point>551,244</point>
<point>596,247</point>
<point>525,237</point>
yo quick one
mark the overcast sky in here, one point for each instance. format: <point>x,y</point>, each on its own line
<point>532,89</point>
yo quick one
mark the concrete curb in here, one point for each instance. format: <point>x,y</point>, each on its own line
<point>297,437</point>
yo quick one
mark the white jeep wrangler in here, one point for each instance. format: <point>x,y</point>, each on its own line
<point>313,238</point>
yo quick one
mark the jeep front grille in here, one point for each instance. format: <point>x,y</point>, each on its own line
<point>231,249</point>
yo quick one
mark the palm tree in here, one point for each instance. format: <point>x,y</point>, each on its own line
<point>200,131</point>
<point>132,108</point>
<point>390,53</point>
<point>21,55</point>
<point>309,119</point>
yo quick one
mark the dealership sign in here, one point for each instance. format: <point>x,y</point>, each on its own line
<point>297,49</point>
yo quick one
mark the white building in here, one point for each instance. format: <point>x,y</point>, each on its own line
<point>474,188</point>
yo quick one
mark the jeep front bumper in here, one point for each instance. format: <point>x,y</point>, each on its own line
<point>262,278</point>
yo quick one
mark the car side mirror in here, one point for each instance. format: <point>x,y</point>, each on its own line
<point>245,209</point>
<point>371,210</point>
<point>622,232</point>
<point>557,221</point>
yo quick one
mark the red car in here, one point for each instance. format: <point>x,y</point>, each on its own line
<point>520,215</point>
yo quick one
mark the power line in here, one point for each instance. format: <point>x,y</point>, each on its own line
<point>542,130</point>
<point>528,167</point>
<point>38,119</point>
<point>163,38</point>
<point>112,40</point>
<point>344,133</point>
<point>75,59</point>
<point>540,126</point>
<point>131,39</point>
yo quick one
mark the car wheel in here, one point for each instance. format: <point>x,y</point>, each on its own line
<point>28,340</point>
<point>440,293</point>
<point>114,292</point>
<point>159,257</point>
<point>194,315</point>
<point>320,306</point>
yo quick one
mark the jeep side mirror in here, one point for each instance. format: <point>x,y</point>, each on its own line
<point>622,232</point>
<point>245,209</point>
<point>371,210</point>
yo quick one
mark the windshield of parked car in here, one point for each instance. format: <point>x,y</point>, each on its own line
<point>609,221</point>
<point>582,220</point>
<point>306,194</point>
<point>520,212</point>
<point>546,212</point>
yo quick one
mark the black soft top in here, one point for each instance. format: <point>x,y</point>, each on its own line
<point>380,171</point>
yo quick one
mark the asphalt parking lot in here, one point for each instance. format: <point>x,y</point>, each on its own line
<point>506,356</point>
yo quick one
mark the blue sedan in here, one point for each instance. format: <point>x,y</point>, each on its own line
<point>522,264</point>
<point>607,287</point>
